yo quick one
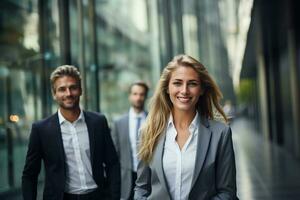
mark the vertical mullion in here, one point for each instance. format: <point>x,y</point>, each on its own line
<point>64,30</point>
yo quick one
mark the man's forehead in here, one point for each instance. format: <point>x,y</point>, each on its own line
<point>64,84</point>
<point>137,88</point>
<point>66,81</point>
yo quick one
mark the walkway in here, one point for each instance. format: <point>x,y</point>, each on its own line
<point>264,170</point>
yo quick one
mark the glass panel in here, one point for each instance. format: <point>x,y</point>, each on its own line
<point>74,29</point>
<point>18,106</point>
<point>124,51</point>
<point>25,60</point>
<point>50,48</point>
<point>3,113</point>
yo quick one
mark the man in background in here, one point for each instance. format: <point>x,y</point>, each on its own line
<point>125,136</point>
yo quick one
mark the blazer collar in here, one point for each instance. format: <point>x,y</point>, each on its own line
<point>91,131</point>
<point>127,143</point>
<point>157,161</point>
<point>204,136</point>
<point>126,124</point>
<point>55,128</point>
<point>125,128</point>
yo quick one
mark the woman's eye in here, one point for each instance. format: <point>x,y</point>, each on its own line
<point>193,84</point>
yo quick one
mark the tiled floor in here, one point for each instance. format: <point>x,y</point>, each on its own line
<point>264,170</point>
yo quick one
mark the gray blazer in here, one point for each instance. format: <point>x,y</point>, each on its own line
<point>120,136</point>
<point>214,175</point>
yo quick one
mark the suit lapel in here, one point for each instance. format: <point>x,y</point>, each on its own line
<point>125,125</point>
<point>91,132</point>
<point>55,128</point>
<point>127,143</point>
<point>204,136</point>
<point>157,162</point>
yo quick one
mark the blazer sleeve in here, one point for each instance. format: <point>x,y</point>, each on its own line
<point>32,166</point>
<point>112,164</point>
<point>143,182</point>
<point>225,169</point>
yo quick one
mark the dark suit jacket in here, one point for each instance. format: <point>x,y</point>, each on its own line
<point>214,174</point>
<point>46,144</point>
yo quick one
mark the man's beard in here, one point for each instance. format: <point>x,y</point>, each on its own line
<point>74,105</point>
<point>139,106</point>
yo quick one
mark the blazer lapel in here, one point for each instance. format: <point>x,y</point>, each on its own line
<point>204,136</point>
<point>127,144</point>
<point>91,132</point>
<point>125,128</point>
<point>55,128</point>
<point>157,162</point>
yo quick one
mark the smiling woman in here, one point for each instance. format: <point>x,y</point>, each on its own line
<point>180,138</point>
<point>184,89</point>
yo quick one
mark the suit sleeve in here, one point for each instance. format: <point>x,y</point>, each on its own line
<point>115,137</point>
<point>143,182</point>
<point>112,165</point>
<point>225,169</point>
<point>32,166</point>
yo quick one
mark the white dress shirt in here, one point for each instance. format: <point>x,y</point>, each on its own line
<point>79,176</point>
<point>178,165</point>
<point>133,135</point>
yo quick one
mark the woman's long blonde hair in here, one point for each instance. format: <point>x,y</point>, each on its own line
<point>161,105</point>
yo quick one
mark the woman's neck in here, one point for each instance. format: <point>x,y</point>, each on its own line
<point>183,120</point>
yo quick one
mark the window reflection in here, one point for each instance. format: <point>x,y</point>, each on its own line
<point>112,51</point>
<point>29,45</point>
<point>124,55</point>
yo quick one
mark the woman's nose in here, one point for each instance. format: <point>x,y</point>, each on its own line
<point>184,89</point>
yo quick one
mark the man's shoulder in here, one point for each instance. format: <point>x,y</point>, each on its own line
<point>46,120</point>
<point>122,118</point>
<point>94,114</point>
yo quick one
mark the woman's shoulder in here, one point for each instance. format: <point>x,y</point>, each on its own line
<point>218,126</point>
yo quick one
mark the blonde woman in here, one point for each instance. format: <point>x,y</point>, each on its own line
<point>185,153</point>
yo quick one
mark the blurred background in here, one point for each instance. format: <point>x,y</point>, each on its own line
<point>250,47</point>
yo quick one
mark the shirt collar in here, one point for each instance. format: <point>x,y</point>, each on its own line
<point>193,125</point>
<point>170,121</point>
<point>195,121</point>
<point>61,118</point>
<point>136,115</point>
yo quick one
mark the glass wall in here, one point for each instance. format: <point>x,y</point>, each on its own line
<point>124,51</point>
<point>20,88</point>
<point>108,41</point>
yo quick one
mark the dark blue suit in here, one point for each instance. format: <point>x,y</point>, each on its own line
<point>46,144</point>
